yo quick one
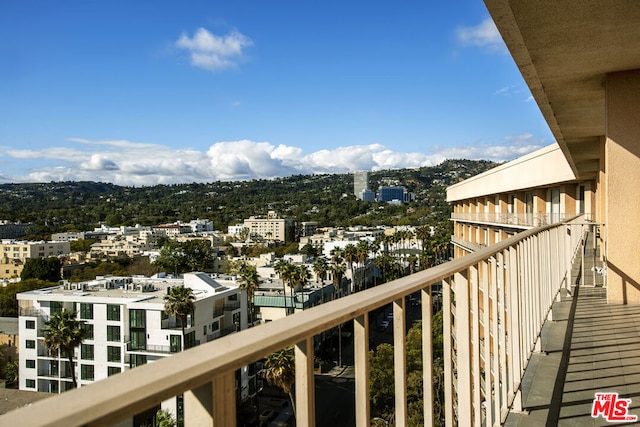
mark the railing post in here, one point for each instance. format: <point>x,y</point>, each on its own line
<point>361,362</point>
<point>427,355</point>
<point>463,340</point>
<point>212,404</point>
<point>448,332</point>
<point>485,286</point>
<point>305,387</point>
<point>516,328</point>
<point>475,339</point>
<point>400,361</point>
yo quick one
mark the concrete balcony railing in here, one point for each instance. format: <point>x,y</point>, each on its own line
<point>518,220</point>
<point>517,279</point>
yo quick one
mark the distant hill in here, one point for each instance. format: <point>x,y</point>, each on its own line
<point>327,199</point>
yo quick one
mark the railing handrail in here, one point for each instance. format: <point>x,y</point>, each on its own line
<point>121,396</point>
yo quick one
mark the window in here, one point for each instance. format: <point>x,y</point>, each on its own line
<point>31,383</point>
<point>175,343</point>
<point>137,360</point>
<point>138,340</point>
<point>113,333</point>
<point>30,324</point>
<point>113,354</point>
<point>88,330</point>
<point>56,307</point>
<point>136,319</point>
<point>31,364</point>
<point>86,311</point>
<point>204,330</point>
<point>86,351</point>
<point>112,370</point>
<point>86,372</point>
<point>113,312</point>
<point>190,340</point>
<point>30,344</point>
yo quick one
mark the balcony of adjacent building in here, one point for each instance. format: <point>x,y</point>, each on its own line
<point>518,221</point>
<point>520,321</point>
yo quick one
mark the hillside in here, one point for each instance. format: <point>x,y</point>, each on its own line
<point>327,199</point>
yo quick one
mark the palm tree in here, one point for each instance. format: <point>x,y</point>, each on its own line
<point>279,370</point>
<point>301,277</point>
<point>249,281</point>
<point>362,253</point>
<point>349,253</point>
<point>283,269</point>
<point>423,234</point>
<point>320,267</point>
<point>62,334</point>
<point>179,302</point>
<point>337,272</point>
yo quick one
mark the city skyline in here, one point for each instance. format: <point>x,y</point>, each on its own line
<point>158,93</point>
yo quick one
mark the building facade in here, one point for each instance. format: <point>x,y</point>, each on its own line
<point>537,189</point>
<point>360,183</point>
<point>125,325</point>
<point>271,228</point>
<point>15,253</point>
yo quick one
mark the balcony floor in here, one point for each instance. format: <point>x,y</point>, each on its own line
<point>601,353</point>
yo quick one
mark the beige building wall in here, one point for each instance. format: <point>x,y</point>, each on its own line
<point>622,166</point>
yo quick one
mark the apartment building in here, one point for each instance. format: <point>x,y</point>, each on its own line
<point>537,189</point>
<point>15,253</point>
<point>271,227</point>
<point>125,323</point>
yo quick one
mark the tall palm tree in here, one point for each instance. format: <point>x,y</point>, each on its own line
<point>62,334</point>
<point>349,253</point>
<point>179,302</point>
<point>362,253</point>
<point>279,370</point>
<point>301,277</point>
<point>320,267</point>
<point>337,272</point>
<point>249,281</point>
<point>423,234</point>
<point>283,269</point>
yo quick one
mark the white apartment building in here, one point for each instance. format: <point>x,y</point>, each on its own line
<point>126,326</point>
<point>14,254</point>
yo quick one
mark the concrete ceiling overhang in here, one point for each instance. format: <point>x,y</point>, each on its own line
<point>564,50</point>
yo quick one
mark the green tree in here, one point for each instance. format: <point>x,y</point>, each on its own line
<point>381,376</point>
<point>171,258</point>
<point>47,269</point>
<point>279,370</point>
<point>179,302</point>
<point>198,254</point>
<point>165,419</point>
<point>12,371</point>
<point>62,334</point>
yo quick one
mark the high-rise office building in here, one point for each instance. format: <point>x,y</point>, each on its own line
<point>360,183</point>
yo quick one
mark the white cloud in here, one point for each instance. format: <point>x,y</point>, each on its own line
<point>485,35</point>
<point>511,148</point>
<point>213,52</point>
<point>133,163</point>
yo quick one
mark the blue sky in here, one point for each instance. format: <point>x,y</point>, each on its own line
<point>141,93</point>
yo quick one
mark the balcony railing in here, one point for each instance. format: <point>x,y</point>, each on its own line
<point>520,220</point>
<point>521,276</point>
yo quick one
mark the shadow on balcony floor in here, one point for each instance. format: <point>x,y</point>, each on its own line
<point>601,354</point>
